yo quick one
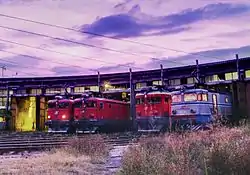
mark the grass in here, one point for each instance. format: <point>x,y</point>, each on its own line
<point>221,151</point>
<point>92,146</point>
<point>79,157</point>
<point>55,163</point>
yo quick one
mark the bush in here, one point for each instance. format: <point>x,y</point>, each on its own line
<point>93,146</point>
<point>230,158</point>
<point>221,151</point>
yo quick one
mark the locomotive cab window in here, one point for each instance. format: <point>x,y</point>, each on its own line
<point>63,104</point>
<point>176,98</point>
<point>154,100</point>
<point>78,104</point>
<point>139,101</point>
<point>204,97</point>
<point>166,99</point>
<point>226,100</point>
<point>190,97</point>
<point>91,104</point>
<point>52,105</point>
<point>199,97</point>
<point>101,105</point>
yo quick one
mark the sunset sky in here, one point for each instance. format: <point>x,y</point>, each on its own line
<point>148,33</point>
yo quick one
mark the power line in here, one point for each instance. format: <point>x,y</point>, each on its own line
<point>104,36</point>
<point>40,58</point>
<point>32,57</point>
<point>36,58</point>
<point>80,43</point>
<point>63,53</point>
<point>8,69</point>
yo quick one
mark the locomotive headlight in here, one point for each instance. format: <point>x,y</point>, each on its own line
<point>64,116</point>
<point>49,117</point>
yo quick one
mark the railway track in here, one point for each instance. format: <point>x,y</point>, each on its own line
<point>18,142</point>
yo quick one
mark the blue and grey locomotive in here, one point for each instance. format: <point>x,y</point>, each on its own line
<point>199,107</point>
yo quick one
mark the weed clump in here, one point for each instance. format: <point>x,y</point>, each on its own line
<point>221,151</point>
<point>93,146</point>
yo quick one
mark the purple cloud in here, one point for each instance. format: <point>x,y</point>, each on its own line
<point>126,25</point>
<point>62,70</point>
<point>18,61</point>
<point>119,67</point>
<point>203,57</point>
<point>3,46</point>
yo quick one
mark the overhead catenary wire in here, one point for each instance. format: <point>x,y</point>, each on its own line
<point>43,59</point>
<point>85,44</point>
<point>39,58</point>
<point>82,44</point>
<point>27,66</point>
<point>16,72</point>
<point>105,36</point>
<point>61,53</point>
<point>33,57</point>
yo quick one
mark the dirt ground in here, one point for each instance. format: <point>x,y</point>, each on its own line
<point>48,163</point>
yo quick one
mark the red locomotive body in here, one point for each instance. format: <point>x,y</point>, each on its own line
<point>100,114</point>
<point>60,115</point>
<point>153,110</point>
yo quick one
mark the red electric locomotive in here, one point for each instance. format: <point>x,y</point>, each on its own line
<point>153,111</point>
<point>94,114</point>
<point>60,115</point>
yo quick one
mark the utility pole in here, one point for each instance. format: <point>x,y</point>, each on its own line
<point>197,71</point>
<point>162,78</point>
<point>7,107</point>
<point>3,69</point>
<point>99,81</point>
<point>8,97</point>
<point>132,101</point>
<point>237,66</point>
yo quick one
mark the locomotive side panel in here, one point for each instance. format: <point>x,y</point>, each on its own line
<point>224,105</point>
<point>103,115</point>
<point>248,99</point>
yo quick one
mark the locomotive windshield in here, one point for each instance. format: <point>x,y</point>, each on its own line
<point>78,104</point>
<point>154,100</point>
<point>91,104</point>
<point>52,105</point>
<point>190,97</point>
<point>195,97</point>
<point>63,104</point>
<point>139,101</point>
<point>176,98</point>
